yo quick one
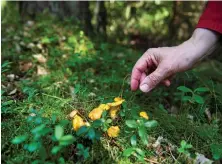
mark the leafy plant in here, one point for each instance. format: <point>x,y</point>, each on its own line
<point>139,153</point>
<point>216,150</point>
<point>141,127</point>
<point>193,96</point>
<point>184,148</point>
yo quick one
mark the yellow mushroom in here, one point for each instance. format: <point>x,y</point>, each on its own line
<point>104,106</point>
<point>77,122</point>
<point>96,113</point>
<point>113,131</point>
<point>144,115</point>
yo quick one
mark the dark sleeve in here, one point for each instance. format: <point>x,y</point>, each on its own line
<point>212,17</point>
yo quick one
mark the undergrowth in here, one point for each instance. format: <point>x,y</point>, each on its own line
<point>79,74</point>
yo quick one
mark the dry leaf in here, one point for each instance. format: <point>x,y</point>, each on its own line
<point>13,92</point>
<point>11,77</point>
<point>40,58</point>
<point>41,70</point>
<point>31,45</point>
<point>73,113</point>
<point>25,66</point>
<point>39,46</point>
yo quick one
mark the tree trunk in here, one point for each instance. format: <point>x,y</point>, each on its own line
<point>63,9</point>
<point>101,17</point>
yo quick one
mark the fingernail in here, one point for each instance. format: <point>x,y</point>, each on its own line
<point>144,88</point>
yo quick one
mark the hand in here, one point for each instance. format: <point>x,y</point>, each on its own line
<point>158,65</point>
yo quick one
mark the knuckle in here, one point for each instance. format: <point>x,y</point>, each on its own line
<point>168,70</point>
<point>152,50</point>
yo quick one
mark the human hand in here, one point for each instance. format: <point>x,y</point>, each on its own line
<point>158,65</point>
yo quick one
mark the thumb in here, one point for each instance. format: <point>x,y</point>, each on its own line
<point>153,79</point>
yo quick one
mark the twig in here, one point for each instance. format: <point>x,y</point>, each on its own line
<point>121,92</point>
<point>53,96</point>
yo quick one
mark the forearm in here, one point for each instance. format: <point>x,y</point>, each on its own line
<point>201,43</point>
<point>204,40</point>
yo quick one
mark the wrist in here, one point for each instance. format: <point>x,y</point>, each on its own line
<point>203,41</point>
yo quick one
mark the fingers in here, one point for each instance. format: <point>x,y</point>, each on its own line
<point>152,80</point>
<point>138,73</point>
<point>166,82</point>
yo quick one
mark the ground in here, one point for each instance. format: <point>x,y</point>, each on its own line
<point>50,69</point>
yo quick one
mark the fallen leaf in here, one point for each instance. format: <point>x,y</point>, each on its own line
<point>39,46</point>
<point>31,45</point>
<point>25,66</point>
<point>41,70</point>
<point>40,58</point>
<point>16,38</point>
<point>73,113</point>
<point>113,131</point>
<point>11,77</point>
<point>30,23</point>
<point>13,92</point>
<point>17,48</point>
<point>91,94</point>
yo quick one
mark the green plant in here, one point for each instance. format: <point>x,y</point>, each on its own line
<point>140,127</point>
<point>193,95</point>
<point>216,150</point>
<point>45,138</point>
<point>184,148</point>
<point>137,152</point>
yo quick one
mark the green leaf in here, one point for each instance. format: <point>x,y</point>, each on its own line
<point>33,146</point>
<point>86,153</point>
<point>64,122</point>
<point>133,140</point>
<point>54,118</point>
<point>38,129</point>
<point>140,152</point>
<point>19,139</point>
<point>183,143</point>
<point>186,98</point>
<point>59,131</point>
<point>143,135</point>
<point>91,133</point>
<point>97,123</point>
<point>80,146</point>
<point>56,149</point>
<point>66,140</point>
<point>151,124</point>
<point>198,99</point>
<point>201,89</point>
<point>108,121</point>
<point>184,89</point>
<point>128,152</point>
<point>61,160</point>
<point>131,123</point>
<point>216,150</point>
<point>42,153</point>
<point>82,130</point>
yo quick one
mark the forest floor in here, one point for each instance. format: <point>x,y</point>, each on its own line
<point>50,69</point>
